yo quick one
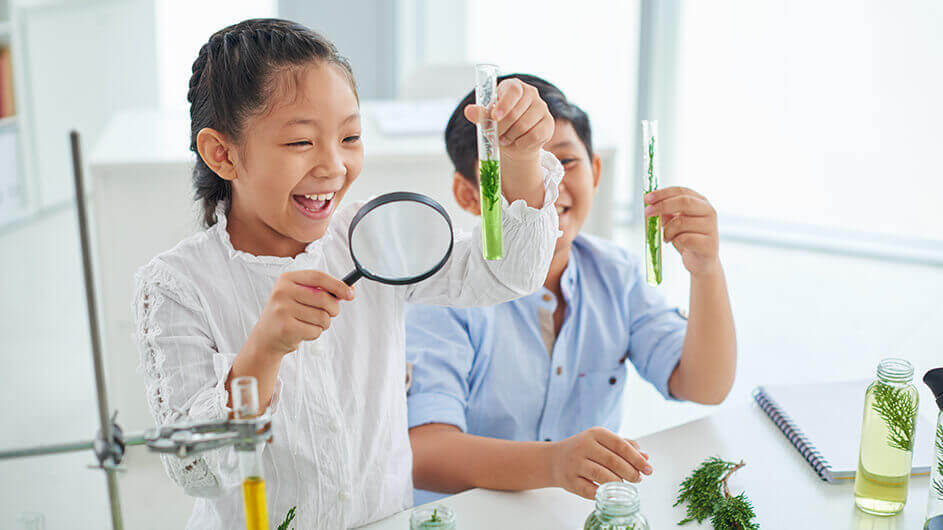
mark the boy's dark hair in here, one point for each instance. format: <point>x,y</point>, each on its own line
<point>460,136</point>
<point>233,77</point>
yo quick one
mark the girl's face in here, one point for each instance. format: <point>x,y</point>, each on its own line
<point>297,160</point>
<point>580,179</point>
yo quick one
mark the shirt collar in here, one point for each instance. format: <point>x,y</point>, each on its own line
<point>222,209</point>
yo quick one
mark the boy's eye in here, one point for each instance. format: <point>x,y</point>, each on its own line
<point>301,142</point>
<point>352,139</point>
<point>568,162</point>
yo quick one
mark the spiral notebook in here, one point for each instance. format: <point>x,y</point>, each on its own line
<point>823,422</point>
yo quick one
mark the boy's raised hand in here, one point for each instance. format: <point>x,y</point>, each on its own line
<point>690,224</point>
<point>524,121</point>
<point>596,456</point>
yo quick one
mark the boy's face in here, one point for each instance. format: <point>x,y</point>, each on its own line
<point>577,189</point>
<point>299,157</point>
<point>579,183</point>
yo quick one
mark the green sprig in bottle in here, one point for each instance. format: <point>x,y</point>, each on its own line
<point>885,456</point>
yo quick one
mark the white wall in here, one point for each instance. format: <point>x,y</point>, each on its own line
<point>183,26</point>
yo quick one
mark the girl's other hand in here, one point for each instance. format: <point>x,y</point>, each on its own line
<point>524,121</point>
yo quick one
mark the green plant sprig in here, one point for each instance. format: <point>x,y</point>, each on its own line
<point>938,482</point>
<point>708,496</point>
<point>288,519</point>
<point>898,408</point>
<point>490,175</point>
<point>651,223</point>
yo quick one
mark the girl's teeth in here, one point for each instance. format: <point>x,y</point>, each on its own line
<point>320,196</point>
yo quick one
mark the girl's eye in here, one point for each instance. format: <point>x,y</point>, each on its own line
<point>352,139</point>
<point>568,162</point>
<point>302,142</point>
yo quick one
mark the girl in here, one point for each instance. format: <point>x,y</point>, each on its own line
<point>276,128</point>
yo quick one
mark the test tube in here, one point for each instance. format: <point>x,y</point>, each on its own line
<point>650,161</point>
<point>245,405</point>
<point>489,164</point>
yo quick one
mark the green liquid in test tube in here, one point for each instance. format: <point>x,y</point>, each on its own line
<point>489,165</point>
<point>650,161</point>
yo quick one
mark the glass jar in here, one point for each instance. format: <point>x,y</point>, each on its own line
<point>439,517</point>
<point>934,380</point>
<point>885,456</point>
<point>617,508</point>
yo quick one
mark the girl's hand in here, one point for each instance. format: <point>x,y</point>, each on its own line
<point>524,121</point>
<point>596,456</point>
<point>300,308</point>
<point>690,224</point>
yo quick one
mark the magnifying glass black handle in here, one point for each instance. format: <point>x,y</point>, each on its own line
<point>352,278</point>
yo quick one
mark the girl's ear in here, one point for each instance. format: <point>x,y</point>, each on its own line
<point>466,194</point>
<point>597,170</point>
<point>216,152</point>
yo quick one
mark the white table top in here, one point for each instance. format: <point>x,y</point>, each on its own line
<point>785,491</point>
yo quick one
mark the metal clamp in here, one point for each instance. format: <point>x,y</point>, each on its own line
<point>187,438</point>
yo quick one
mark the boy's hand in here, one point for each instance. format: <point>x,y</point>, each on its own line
<point>690,224</point>
<point>596,456</point>
<point>524,121</point>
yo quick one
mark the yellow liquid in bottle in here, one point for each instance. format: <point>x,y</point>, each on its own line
<point>883,471</point>
<point>253,496</point>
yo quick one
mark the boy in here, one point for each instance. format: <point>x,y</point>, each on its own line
<point>527,394</point>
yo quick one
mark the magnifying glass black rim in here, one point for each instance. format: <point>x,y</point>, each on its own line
<point>395,197</point>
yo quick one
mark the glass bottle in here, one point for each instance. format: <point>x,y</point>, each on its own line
<point>650,160</point>
<point>439,517</point>
<point>245,406</point>
<point>489,164</point>
<point>885,457</point>
<point>934,380</point>
<point>617,508</point>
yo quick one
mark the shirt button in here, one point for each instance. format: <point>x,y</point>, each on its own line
<point>559,370</point>
<point>547,298</point>
<point>342,495</point>
<point>612,380</point>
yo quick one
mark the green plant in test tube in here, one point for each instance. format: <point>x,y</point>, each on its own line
<point>650,162</point>
<point>489,165</point>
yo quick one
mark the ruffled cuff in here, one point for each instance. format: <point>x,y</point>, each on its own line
<point>553,174</point>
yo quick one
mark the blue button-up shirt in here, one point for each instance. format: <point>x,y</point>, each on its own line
<point>488,371</point>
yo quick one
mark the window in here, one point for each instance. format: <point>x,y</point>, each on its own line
<point>816,113</point>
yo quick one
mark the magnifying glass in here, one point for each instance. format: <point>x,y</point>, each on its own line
<point>399,238</point>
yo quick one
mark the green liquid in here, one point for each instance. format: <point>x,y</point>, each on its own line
<point>883,470</point>
<point>653,250</point>
<point>490,187</point>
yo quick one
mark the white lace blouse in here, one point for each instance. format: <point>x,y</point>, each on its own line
<point>341,451</point>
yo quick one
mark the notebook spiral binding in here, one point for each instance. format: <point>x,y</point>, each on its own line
<point>794,434</point>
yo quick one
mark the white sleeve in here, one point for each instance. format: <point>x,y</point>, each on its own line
<point>185,375</point>
<point>530,235</point>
